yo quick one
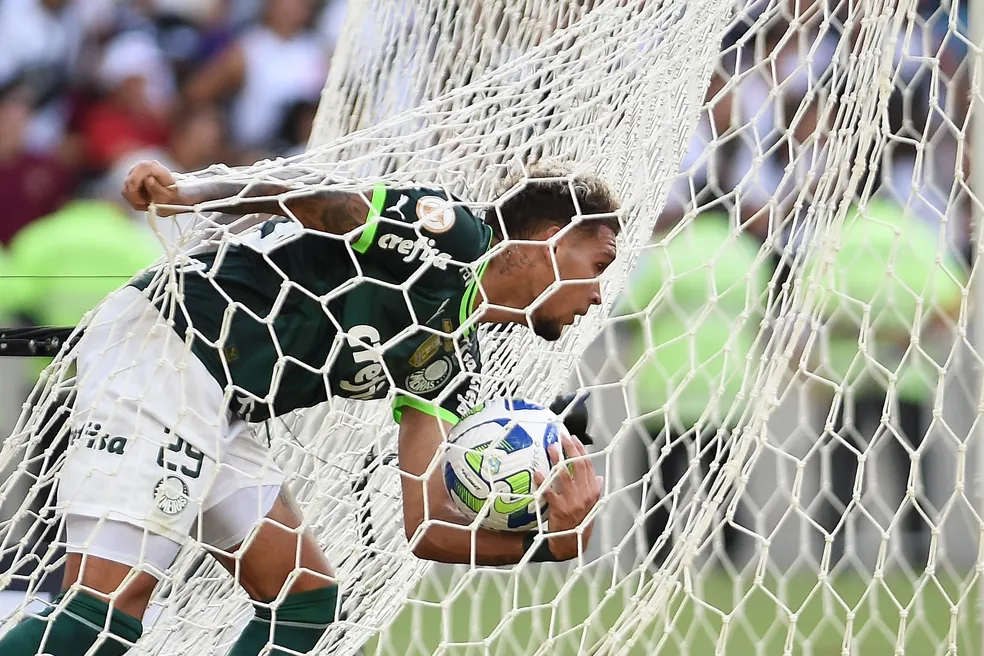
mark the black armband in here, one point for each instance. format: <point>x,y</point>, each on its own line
<point>574,409</point>
<point>542,554</point>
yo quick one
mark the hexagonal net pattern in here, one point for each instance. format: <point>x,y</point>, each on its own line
<point>781,378</point>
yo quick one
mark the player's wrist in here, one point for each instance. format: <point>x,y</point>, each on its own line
<point>539,545</point>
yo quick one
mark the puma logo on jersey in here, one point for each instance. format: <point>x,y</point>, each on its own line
<point>245,405</point>
<point>439,310</point>
<point>422,248</point>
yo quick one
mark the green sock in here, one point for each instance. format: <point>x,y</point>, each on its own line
<point>298,624</point>
<point>74,629</point>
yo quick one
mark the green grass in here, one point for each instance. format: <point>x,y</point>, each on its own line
<point>759,619</point>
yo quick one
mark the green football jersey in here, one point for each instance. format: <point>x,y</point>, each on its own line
<point>290,317</point>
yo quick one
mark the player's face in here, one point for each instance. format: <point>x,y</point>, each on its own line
<point>291,14</point>
<point>581,259</point>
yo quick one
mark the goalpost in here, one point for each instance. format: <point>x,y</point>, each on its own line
<point>832,140</point>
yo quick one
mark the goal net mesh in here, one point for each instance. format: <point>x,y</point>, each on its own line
<point>753,373</point>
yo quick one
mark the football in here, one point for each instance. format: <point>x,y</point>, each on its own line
<point>490,460</point>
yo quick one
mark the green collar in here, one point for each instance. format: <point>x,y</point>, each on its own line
<point>471,292</point>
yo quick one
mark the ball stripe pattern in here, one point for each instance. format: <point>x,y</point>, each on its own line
<point>493,455</point>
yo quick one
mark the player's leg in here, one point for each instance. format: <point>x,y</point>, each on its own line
<point>77,620</point>
<point>279,555</point>
<point>256,532</point>
<point>111,571</point>
<point>857,418</point>
<point>130,490</point>
<point>291,582</point>
<point>839,465</point>
<point>715,453</point>
<point>101,577</point>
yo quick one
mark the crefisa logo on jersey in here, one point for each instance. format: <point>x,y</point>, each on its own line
<point>97,439</point>
<point>469,397</point>
<point>171,495</point>
<point>430,377</point>
<point>370,381</point>
<point>423,249</point>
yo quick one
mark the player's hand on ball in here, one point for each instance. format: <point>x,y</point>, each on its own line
<point>572,493</point>
<point>151,182</point>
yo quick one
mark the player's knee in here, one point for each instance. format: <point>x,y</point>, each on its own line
<point>110,557</point>
<point>278,552</point>
<point>130,589</point>
<point>281,558</point>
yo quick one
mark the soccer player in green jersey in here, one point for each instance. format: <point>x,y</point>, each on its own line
<point>343,294</point>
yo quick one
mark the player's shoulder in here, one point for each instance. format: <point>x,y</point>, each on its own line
<point>427,204</point>
<point>438,214</point>
<point>423,190</point>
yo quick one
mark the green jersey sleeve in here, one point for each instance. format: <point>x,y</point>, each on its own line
<point>410,227</point>
<point>450,401</point>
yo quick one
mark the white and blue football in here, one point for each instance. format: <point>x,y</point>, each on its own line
<point>490,460</point>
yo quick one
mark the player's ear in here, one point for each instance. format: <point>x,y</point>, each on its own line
<point>545,235</point>
<point>546,253</point>
<point>547,232</point>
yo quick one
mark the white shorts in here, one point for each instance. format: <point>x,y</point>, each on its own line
<point>153,444</point>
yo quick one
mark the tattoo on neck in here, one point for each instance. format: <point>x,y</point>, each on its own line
<point>514,258</point>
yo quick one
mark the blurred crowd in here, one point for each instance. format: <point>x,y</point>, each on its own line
<point>87,87</point>
<point>757,171</point>
<point>772,105</point>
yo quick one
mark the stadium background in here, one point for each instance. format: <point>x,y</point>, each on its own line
<point>87,87</point>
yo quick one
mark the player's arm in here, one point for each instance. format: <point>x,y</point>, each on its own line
<point>334,212</point>
<point>444,534</point>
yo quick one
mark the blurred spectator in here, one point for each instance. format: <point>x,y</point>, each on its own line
<point>38,36</point>
<point>270,67</point>
<point>708,157</point>
<point>782,185</point>
<point>693,351</point>
<point>40,40</point>
<point>138,87</point>
<point>295,129</point>
<point>921,177</point>
<point>885,265</point>
<point>332,22</point>
<point>191,32</point>
<point>31,184</point>
<point>768,165</point>
<point>197,140</point>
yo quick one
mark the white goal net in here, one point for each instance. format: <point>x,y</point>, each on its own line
<point>784,380</point>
